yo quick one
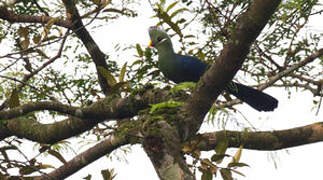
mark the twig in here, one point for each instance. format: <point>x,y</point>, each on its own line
<point>278,76</point>
<point>20,81</point>
<point>28,76</point>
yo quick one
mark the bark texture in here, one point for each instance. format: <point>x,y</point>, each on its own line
<point>81,119</point>
<point>263,140</point>
<point>164,150</point>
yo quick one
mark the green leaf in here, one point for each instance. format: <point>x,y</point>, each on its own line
<point>122,72</point>
<point>177,12</point>
<point>139,50</point>
<point>189,36</point>
<point>107,75</point>
<point>113,10</point>
<point>108,174</point>
<point>57,155</point>
<point>171,103</point>
<point>88,177</point>
<point>221,147</point>
<point>180,21</point>
<point>14,99</point>
<point>237,164</point>
<point>167,19</point>
<point>23,32</point>
<point>139,61</point>
<point>183,87</point>
<point>171,6</point>
<point>226,174</point>
<point>219,157</point>
<point>236,157</point>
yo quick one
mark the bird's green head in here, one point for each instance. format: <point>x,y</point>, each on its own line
<point>159,38</point>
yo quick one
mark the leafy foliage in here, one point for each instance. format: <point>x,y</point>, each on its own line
<point>210,168</point>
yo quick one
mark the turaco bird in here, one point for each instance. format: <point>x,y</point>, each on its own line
<point>181,68</point>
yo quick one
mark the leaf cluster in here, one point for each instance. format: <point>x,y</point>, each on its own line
<point>211,167</point>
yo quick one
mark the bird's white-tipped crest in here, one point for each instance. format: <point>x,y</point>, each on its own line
<point>155,30</point>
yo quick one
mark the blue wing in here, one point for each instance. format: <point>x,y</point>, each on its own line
<point>191,68</point>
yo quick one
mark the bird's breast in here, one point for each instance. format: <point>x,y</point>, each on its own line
<point>170,68</point>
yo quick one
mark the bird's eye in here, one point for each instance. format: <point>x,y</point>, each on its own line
<point>159,39</point>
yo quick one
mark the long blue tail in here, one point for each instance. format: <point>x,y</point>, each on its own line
<point>255,98</point>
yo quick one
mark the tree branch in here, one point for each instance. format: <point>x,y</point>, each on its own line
<point>96,54</point>
<point>11,17</point>
<point>108,108</point>
<point>284,73</point>
<point>263,140</point>
<point>308,80</point>
<point>85,158</point>
<point>294,67</point>
<point>248,27</point>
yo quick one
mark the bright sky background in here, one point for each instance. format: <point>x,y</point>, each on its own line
<point>294,163</point>
<point>297,163</point>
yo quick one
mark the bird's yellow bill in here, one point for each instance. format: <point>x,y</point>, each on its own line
<point>151,44</point>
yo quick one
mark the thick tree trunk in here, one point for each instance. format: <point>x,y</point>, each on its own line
<point>164,150</point>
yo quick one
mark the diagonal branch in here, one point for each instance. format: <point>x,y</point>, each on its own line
<point>96,54</point>
<point>248,27</point>
<point>294,67</point>
<point>85,158</point>
<point>263,140</point>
